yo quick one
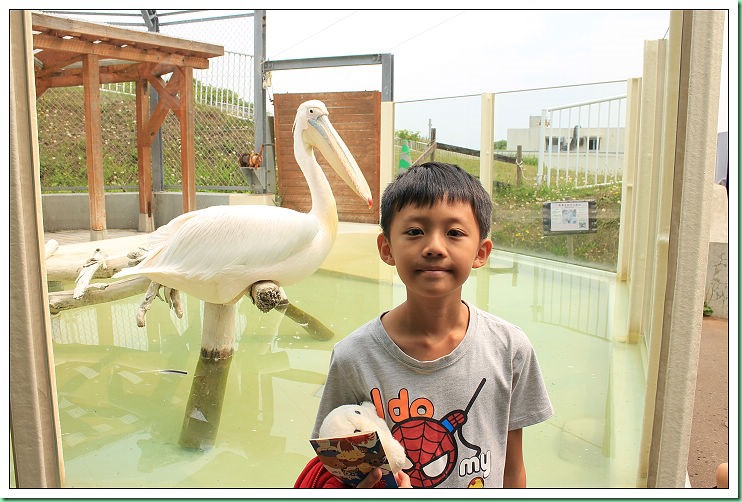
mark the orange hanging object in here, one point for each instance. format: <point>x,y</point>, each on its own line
<point>252,159</point>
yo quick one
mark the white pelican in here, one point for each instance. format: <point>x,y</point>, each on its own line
<point>217,253</point>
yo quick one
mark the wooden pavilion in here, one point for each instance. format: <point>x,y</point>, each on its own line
<point>69,53</point>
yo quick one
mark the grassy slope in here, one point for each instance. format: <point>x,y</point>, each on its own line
<point>517,221</point>
<point>219,139</point>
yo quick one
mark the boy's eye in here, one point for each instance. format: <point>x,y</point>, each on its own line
<point>455,233</point>
<point>414,231</point>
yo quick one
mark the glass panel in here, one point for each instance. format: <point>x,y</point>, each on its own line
<point>122,390</point>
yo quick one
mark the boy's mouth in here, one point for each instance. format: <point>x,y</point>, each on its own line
<point>433,270</point>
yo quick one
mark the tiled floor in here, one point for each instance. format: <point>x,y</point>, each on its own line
<point>76,236</point>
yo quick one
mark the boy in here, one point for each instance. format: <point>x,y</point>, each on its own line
<point>455,384</point>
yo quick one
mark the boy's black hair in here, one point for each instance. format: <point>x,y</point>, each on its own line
<point>432,182</point>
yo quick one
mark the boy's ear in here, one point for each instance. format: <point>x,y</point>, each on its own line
<point>385,250</point>
<point>485,248</point>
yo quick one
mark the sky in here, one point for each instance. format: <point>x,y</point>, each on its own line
<point>448,53</point>
<point>444,59</point>
<point>443,53</point>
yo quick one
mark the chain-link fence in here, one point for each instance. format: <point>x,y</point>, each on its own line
<point>223,117</point>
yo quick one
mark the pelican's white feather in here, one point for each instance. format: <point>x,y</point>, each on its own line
<point>217,253</point>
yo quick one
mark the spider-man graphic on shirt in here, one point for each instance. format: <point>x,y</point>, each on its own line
<point>431,445</point>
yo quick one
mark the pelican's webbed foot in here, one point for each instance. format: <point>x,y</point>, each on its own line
<point>172,298</point>
<point>146,304</point>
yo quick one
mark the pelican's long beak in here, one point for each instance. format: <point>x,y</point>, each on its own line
<point>323,136</point>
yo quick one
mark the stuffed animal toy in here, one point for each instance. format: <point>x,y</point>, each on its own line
<point>353,418</point>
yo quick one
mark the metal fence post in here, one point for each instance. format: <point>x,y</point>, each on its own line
<point>542,135</point>
<point>158,175</point>
<point>260,118</point>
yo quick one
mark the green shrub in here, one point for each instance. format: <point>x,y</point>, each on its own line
<point>518,224</point>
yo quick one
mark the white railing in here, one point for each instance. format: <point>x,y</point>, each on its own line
<point>231,80</point>
<point>582,144</point>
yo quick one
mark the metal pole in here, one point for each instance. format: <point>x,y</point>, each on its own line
<point>261,115</point>
<point>387,77</point>
<point>542,135</point>
<point>152,21</point>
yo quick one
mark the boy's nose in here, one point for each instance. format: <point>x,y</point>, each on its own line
<point>434,246</point>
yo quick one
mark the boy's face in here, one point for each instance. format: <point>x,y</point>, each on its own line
<point>434,248</point>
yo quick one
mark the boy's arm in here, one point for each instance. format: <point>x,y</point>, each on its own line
<point>515,470</point>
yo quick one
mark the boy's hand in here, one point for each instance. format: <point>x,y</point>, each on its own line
<point>371,479</point>
<point>403,480</point>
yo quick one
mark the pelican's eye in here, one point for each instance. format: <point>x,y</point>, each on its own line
<point>311,110</point>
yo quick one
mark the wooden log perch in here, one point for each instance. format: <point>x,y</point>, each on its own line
<point>86,273</point>
<point>64,263</point>
<point>101,293</point>
<point>62,270</point>
<point>50,247</point>
<point>311,324</point>
<point>204,409</point>
<point>124,288</point>
<point>267,295</point>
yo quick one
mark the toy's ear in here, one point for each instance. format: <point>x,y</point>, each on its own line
<point>336,422</point>
<point>368,407</point>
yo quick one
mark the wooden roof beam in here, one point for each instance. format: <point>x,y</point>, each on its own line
<point>77,46</point>
<point>167,91</point>
<point>55,62</point>
<point>108,75</point>
<point>72,27</point>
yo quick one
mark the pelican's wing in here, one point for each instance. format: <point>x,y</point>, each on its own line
<point>227,238</point>
<point>166,232</point>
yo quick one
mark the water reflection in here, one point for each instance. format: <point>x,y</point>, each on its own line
<point>121,414</point>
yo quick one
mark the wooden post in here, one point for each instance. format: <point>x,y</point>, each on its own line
<point>204,409</point>
<point>630,166</point>
<point>432,142</point>
<point>32,412</point>
<point>693,160</point>
<point>487,141</point>
<point>187,154</point>
<point>144,157</point>
<point>645,191</point>
<point>93,146</point>
<point>519,165</point>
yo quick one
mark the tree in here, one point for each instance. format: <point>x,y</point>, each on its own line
<point>408,135</point>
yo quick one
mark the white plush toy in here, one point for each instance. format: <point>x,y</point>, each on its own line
<point>353,418</point>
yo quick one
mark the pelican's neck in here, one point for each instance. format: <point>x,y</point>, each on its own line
<point>323,202</point>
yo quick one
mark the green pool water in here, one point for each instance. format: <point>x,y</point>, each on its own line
<point>122,390</point>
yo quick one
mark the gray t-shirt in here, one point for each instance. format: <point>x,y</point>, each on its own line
<point>452,414</point>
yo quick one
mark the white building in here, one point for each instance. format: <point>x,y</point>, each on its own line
<point>572,147</point>
<point>572,138</point>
